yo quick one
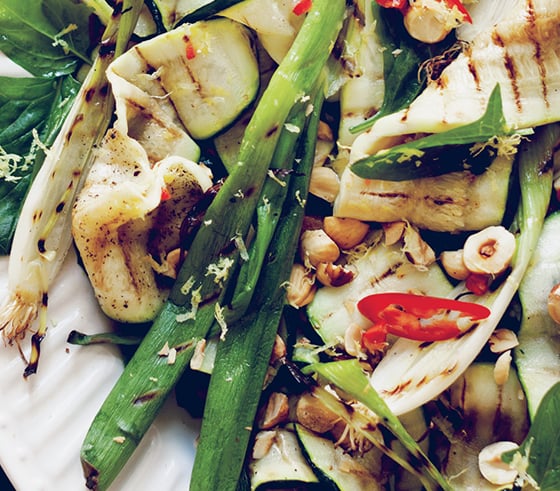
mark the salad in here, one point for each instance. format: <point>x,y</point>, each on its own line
<point>326,227</point>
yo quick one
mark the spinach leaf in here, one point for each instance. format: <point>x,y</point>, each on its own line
<point>46,37</point>
<point>542,444</point>
<point>26,104</point>
<point>402,58</point>
<point>429,156</point>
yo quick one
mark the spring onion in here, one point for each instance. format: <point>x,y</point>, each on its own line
<point>43,236</point>
<point>194,302</point>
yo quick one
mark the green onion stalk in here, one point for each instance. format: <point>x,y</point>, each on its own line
<point>195,300</point>
<point>243,356</point>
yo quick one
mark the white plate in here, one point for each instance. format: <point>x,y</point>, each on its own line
<point>44,419</point>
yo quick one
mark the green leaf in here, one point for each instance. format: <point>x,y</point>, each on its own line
<point>542,444</point>
<point>348,376</point>
<point>421,158</point>
<point>26,104</point>
<point>46,37</point>
<point>402,57</point>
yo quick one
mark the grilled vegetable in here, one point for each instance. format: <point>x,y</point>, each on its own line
<point>283,462</point>
<point>413,373</point>
<point>122,226</point>
<point>538,354</point>
<point>194,302</point>
<point>337,470</point>
<point>175,12</point>
<point>246,347</point>
<point>460,95</point>
<point>362,92</point>
<point>519,53</point>
<point>43,234</point>
<point>274,21</point>
<point>125,231</point>
<point>206,73</point>
<point>380,268</point>
<point>452,202</point>
<point>351,380</point>
<point>474,413</point>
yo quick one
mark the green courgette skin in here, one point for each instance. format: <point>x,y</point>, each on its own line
<point>284,465</point>
<point>194,15</point>
<point>538,354</point>
<point>320,453</point>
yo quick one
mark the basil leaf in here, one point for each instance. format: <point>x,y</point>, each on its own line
<point>428,156</point>
<point>26,104</point>
<point>46,37</point>
<point>542,444</point>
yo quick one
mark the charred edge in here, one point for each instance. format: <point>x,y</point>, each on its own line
<point>303,383</point>
<point>146,397</point>
<point>135,104</point>
<point>391,271</point>
<point>467,331</point>
<point>33,364</point>
<point>41,246</point>
<point>193,219</point>
<point>422,381</point>
<point>509,65</point>
<point>279,173</point>
<point>546,164</point>
<point>272,131</point>
<point>77,121</point>
<point>387,195</point>
<point>425,344</point>
<point>497,423</point>
<point>89,94</point>
<point>210,299</point>
<point>184,346</point>
<point>91,474</point>
<point>417,460</point>
<point>107,48</point>
<point>398,388</point>
<point>531,22</point>
<point>117,9</point>
<point>472,69</point>
<point>451,369</point>
<point>440,201</point>
<point>104,90</point>
<point>454,415</point>
<point>37,216</point>
<point>150,69</point>
<point>359,15</point>
<point>229,248</point>
<point>404,116</point>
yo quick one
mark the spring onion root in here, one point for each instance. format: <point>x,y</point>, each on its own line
<point>43,236</point>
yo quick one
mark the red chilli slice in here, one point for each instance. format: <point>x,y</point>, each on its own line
<point>302,7</point>
<point>417,317</point>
